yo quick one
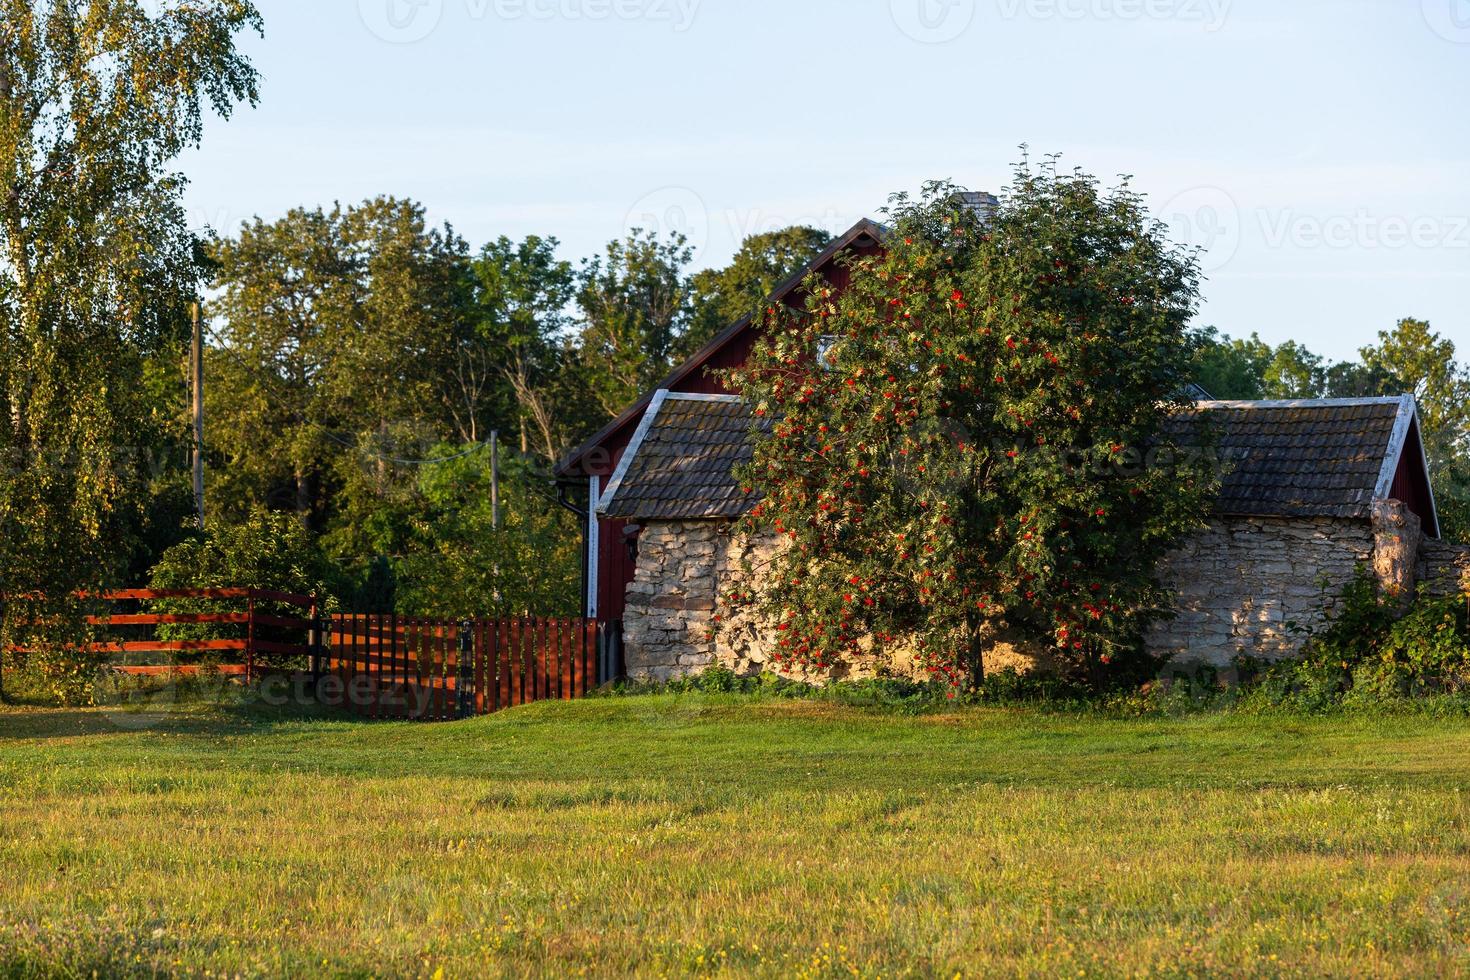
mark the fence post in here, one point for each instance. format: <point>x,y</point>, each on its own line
<point>316,643</point>
<point>464,687</point>
<point>250,640</point>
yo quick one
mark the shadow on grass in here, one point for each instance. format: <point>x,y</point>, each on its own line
<point>176,710</point>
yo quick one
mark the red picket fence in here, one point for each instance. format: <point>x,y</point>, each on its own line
<point>387,666</point>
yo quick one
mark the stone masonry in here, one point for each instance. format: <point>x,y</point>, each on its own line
<point>1245,586</point>
<point>1444,568</point>
<point>671,606</point>
<point>671,600</point>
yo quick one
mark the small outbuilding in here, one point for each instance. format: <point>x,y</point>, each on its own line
<point>1310,491</point>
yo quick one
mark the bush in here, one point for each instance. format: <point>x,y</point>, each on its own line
<point>266,551</point>
<point>1371,649</point>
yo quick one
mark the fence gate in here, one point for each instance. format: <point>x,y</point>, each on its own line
<point>387,666</point>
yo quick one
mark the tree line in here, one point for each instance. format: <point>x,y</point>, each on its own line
<point>360,360</point>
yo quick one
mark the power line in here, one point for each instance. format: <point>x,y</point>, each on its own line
<point>400,460</point>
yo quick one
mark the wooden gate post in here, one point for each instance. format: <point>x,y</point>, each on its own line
<point>464,686</point>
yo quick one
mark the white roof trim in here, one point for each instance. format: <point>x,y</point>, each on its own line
<point>641,433</point>
<point>1398,440</point>
<point>1304,403</point>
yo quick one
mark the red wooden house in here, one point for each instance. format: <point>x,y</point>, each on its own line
<point>582,476</point>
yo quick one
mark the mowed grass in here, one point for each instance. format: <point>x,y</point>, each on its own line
<point>677,835</point>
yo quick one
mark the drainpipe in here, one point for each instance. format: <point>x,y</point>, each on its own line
<point>563,487</point>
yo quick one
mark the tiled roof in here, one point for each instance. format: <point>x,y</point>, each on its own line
<point>679,465</point>
<point>1294,459</point>
<point>1281,459</point>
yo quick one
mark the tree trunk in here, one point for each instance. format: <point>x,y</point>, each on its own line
<point>382,463</point>
<point>975,628</point>
<point>303,499</point>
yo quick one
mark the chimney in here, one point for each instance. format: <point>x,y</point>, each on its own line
<point>983,203</point>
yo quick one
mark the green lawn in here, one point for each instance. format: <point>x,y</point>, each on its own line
<point>672,835</point>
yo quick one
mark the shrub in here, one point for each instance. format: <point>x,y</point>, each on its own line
<point>265,551</point>
<point>1427,651</point>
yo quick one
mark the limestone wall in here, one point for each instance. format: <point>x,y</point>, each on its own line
<point>671,600</point>
<point>1241,582</point>
<point>1239,585</point>
<point>682,567</point>
<point>1444,568</point>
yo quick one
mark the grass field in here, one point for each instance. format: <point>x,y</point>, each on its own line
<point>673,835</point>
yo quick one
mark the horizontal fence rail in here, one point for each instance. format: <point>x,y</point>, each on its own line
<point>387,666</point>
<point>258,631</point>
<point>375,665</point>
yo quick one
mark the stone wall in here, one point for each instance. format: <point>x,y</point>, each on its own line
<point>671,600</point>
<point>1241,582</point>
<point>683,566</point>
<point>1444,568</point>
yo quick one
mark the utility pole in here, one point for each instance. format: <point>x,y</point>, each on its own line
<point>495,507</point>
<point>495,480</point>
<point>196,390</point>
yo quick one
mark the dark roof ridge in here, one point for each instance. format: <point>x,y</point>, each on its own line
<point>1298,402</point>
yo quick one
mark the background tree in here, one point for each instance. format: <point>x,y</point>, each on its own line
<point>96,264</point>
<point>970,459</point>
<point>634,303</point>
<point>1229,368</point>
<point>280,290</point>
<point>519,344</point>
<point>340,335</point>
<point>1294,372</point>
<point>391,363</point>
<point>458,563</point>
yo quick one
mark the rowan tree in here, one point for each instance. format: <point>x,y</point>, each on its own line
<point>968,439</point>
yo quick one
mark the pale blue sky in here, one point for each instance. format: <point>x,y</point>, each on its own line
<point>1319,147</point>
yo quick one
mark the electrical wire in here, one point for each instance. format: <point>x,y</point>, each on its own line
<point>402,461</point>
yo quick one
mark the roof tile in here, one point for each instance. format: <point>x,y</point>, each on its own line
<point>1319,459</point>
<point>683,470</point>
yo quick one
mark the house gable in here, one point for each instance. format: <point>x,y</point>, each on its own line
<point>601,453</point>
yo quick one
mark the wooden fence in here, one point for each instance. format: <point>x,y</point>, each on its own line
<point>386,666</point>
<point>260,632</point>
<point>377,666</point>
